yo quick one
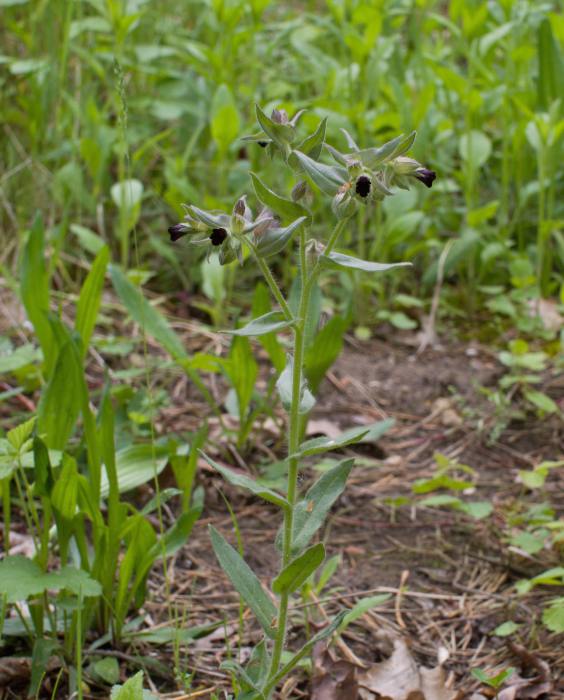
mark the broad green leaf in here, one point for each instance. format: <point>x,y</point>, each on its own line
<point>362,607</point>
<point>135,465</point>
<point>64,496</point>
<point>246,583</point>
<point>477,509</point>
<point>61,399</point>
<point>247,483</point>
<point>327,177</point>
<point>127,194</point>
<point>506,629</point>
<point>144,314</point>
<point>364,433</point>
<point>90,298</point>
<point>274,240</point>
<point>324,350</point>
<point>89,240</point>
<point>541,400</point>
<point>21,578</point>
<point>296,573</point>
<point>132,689</point>
<point>347,261</point>
<point>20,357</point>
<point>551,66</point>
<point>285,389</point>
<point>107,669</point>
<point>553,616</point>
<point>34,290</point>
<point>475,148</point>
<point>287,208</point>
<point>224,118</point>
<point>268,323</point>
<point>310,513</point>
<point>18,435</point>
<point>261,306</point>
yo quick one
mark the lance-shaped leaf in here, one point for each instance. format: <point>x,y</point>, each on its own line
<point>281,134</point>
<point>246,483</point>
<point>274,240</point>
<point>285,389</point>
<point>307,647</point>
<point>348,261</point>
<point>312,145</point>
<point>310,513</point>
<point>367,433</point>
<point>287,208</point>
<point>327,177</point>
<point>371,157</point>
<point>267,323</point>
<point>213,219</point>
<point>299,570</point>
<point>246,583</point>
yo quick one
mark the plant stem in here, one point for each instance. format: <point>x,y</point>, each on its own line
<point>308,280</point>
<point>273,286</point>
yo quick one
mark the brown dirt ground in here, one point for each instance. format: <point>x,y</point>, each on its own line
<point>450,578</point>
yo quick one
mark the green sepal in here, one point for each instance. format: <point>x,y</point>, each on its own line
<point>281,134</point>
<point>312,145</point>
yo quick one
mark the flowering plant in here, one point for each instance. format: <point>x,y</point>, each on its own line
<point>359,177</point>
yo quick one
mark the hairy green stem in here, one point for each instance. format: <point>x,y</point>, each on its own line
<point>308,279</point>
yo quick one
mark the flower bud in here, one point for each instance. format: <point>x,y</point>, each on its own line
<point>299,190</point>
<point>343,203</point>
<point>409,166</point>
<point>279,116</point>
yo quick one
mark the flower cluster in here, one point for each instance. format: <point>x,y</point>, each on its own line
<point>360,176</point>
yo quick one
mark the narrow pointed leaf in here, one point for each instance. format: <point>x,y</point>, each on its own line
<point>274,240</point>
<point>90,297</point>
<point>272,321</point>
<point>313,144</point>
<point>310,513</point>
<point>367,433</point>
<point>293,576</point>
<point>348,261</point>
<point>327,177</point>
<point>281,134</point>
<point>245,581</point>
<point>247,483</point>
<point>280,205</point>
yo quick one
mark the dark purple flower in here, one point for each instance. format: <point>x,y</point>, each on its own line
<point>427,177</point>
<point>177,231</point>
<point>218,235</point>
<point>363,186</point>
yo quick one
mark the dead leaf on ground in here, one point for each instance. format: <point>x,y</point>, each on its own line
<point>322,426</point>
<point>332,679</point>
<point>519,688</point>
<point>400,678</point>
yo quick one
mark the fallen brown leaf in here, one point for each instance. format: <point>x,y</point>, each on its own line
<point>332,679</point>
<point>400,678</point>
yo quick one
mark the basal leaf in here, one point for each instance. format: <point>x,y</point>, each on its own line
<point>90,297</point>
